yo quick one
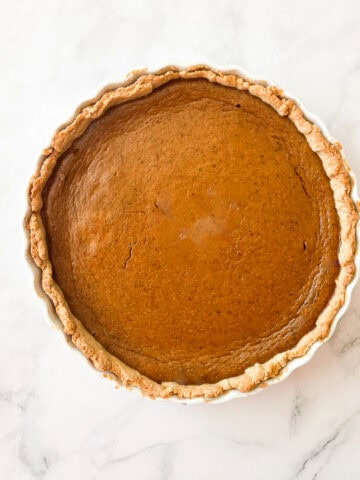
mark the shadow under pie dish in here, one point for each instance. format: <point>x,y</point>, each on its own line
<point>194,231</point>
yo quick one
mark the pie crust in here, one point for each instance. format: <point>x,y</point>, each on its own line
<point>141,84</point>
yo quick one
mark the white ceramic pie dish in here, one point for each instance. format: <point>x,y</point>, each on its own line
<point>293,364</point>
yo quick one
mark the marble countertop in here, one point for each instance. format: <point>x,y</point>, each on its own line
<point>59,419</point>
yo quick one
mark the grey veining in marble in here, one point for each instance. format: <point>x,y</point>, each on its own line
<point>58,418</point>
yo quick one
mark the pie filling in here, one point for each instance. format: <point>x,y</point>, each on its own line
<point>193,232</point>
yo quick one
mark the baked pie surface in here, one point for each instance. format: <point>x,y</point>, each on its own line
<point>189,234</point>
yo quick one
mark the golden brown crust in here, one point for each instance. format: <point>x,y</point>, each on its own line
<point>141,84</point>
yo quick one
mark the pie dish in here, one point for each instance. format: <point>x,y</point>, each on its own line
<point>194,231</point>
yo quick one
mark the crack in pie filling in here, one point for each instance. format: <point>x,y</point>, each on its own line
<point>188,231</point>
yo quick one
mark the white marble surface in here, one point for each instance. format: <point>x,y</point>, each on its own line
<point>58,418</point>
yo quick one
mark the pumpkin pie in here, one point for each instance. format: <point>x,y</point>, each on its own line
<point>194,231</point>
